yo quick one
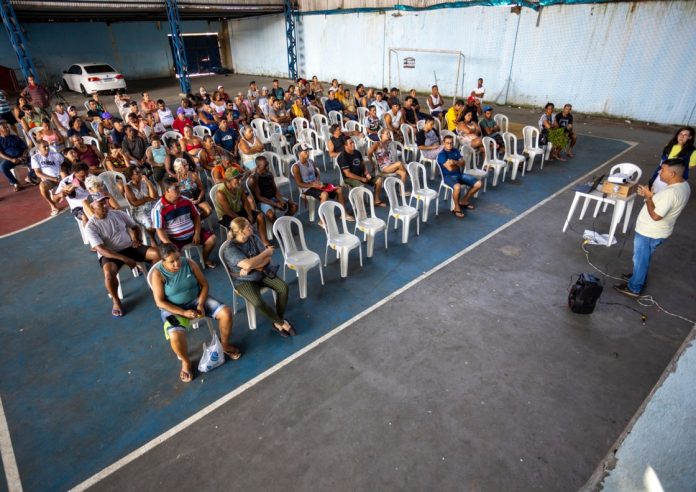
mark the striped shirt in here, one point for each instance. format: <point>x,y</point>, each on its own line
<point>177,219</point>
<point>4,105</point>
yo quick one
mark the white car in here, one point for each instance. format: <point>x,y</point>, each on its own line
<point>92,77</point>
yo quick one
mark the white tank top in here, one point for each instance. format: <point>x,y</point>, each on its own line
<point>64,119</point>
<point>436,101</point>
<point>396,119</point>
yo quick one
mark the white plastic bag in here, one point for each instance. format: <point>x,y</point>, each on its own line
<point>213,355</point>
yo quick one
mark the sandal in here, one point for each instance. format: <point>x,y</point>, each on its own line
<point>469,206</point>
<point>185,376</point>
<point>116,312</point>
<point>210,264</point>
<point>291,331</point>
<point>280,331</point>
<point>458,213</point>
<point>54,212</point>
<point>380,204</point>
<point>234,353</point>
<point>16,187</point>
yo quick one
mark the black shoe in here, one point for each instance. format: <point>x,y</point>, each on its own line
<point>280,332</point>
<point>623,289</point>
<point>626,276</point>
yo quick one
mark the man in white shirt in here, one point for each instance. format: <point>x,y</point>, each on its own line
<point>164,114</point>
<point>46,165</point>
<point>479,92</point>
<point>655,222</point>
<point>116,238</point>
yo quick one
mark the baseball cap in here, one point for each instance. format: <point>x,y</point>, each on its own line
<point>488,108</point>
<point>101,199</point>
<point>471,99</point>
<point>180,111</point>
<point>264,89</point>
<point>305,148</point>
<point>232,172</point>
<point>220,87</point>
<point>106,115</point>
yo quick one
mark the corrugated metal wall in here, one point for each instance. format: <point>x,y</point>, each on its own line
<point>632,60</point>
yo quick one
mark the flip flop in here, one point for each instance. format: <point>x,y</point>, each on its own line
<point>458,213</point>
<point>54,212</point>
<point>233,354</point>
<point>380,204</point>
<point>469,206</point>
<point>291,331</point>
<point>281,332</point>
<point>116,313</point>
<point>210,264</point>
<point>185,376</point>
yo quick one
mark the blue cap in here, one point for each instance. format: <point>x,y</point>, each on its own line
<point>488,108</point>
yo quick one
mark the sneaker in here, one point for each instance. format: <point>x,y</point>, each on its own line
<point>623,289</point>
<point>626,276</point>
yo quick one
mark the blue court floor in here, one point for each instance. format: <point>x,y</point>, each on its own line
<point>81,390</point>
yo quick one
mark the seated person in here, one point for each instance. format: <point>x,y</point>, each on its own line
<point>479,92</point>
<point>472,106</point>
<point>469,132</point>
<point>333,104</point>
<point>240,111</point>
<point>349,109</point>
<point>181,293</point>
<point>208,117</point>
<point>192,145</point>
<point>181,121</point>
<point>187,109</point>
<point>393,120</point>
<point>249,148</point>
<point>354,172</point>
<point>436,103</point>
<point>249,264</point>
<point>147,105</point>
<point>489,128</point>
<point>93,112</point>
<point>191,187</point>
<point>116,238</point>
<point>46,165</point>
<point>393,97</point>
<point>564,120</point>
<point>409,113</point>
<point>118,134</point>
<point>214,153</point>
<point>116,161</point>
<point>278,114</point>
<point>381,105</point>
<point>452,166</point>
<point>164,114</point>
<point>226,137</point>
<point>299,110</point>
<point>266,193</point>
<point>428,139</point>
<point>134,147</point>
<point>13,152</point>
<point>157,158</point>
<point>231,201</point>
<point>550,132</point>
<point>338,139</point>
<point>72,188</point>
<point>307,179</point>
<point>372,124</point>
<point>77,127</point>
<point>385,155</point>
<point>88,154</point>
<point>454,114</point>
<point>97,190</point>
<point>218,172</point>
<point>177,221</point>
<point>141,195</point>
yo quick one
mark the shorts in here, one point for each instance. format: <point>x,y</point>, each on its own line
<point>354,183</point>
<point>180,243</point>
<point>227,220</point>
<point>373,136</point>
<point>316,193</point>
<point>265,207</point>
<point>462,179</point>
<point>211,306</point>
<point>136,254</point>
<point>9,118</point>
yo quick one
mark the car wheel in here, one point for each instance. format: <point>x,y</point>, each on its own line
<point>82,89</point>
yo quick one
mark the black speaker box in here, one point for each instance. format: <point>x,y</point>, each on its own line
<point>583,296</point>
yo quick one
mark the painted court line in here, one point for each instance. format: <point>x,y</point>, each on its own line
<point>252,382</point>
<point>9,462</point>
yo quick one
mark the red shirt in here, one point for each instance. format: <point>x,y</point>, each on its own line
<point>179,125</point>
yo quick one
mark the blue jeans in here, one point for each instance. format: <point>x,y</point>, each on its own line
<point>643,249</point>
<point>7,167</point>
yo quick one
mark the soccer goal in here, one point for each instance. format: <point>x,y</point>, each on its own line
<point>415,68</point>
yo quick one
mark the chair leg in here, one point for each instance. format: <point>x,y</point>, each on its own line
<point>370,243</point>
<point>405,222</point>
<point>426,207</point>
<point>302,282</point>
<point>251,314</point>
<point>343,260</point>
<point>570,212</point>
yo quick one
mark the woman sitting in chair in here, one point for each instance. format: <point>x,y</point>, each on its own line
<point>193,146</point>
<point>249,263</point>
<point>249,148</point>
<point>469,132</point>
<point>192,187</point>
<point>53,138</point>
<point>181,293</point>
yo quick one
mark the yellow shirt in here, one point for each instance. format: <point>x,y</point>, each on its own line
<point>297,111</point>
<point>451,118</point>
<point>675,152</point>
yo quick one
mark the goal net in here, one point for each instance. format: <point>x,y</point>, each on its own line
<point>420,69</point>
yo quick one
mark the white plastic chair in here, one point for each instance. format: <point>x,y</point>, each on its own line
<point>211,196</point>
<point>334,161</point>
<point>110,179</point>
<point>469,155</point>
<point>421,193</point>
<point>318,120</point>
<point>91,141</point>
<point>354,126</point>
<point>409,142</point>
<point>32,134</point>
<point>531,146</point>
<point>455,139</point>
<point>516,160</point>
<point>299,124</point>
<point>336,117</point>
<point>311,138</point>
<point>623,207</point>
<point>502,121</point>
<point>323,100</point>
<point>297,258</point>
<point>169,135</point>
<point>262,130</point>
<point>312,111</point>
<point>491,161</point>
<point>341,242</point>
<point>281,147</point>
<point>310,201</point>
<point>398,208</point>
<point>449,191</point>
<point>201,131</point>
<point>250,309</point>
<point>190,248</point>
<point>277,167</point>
<point>368,224</point>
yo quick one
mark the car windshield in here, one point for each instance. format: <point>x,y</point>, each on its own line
<point>99,68</point>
